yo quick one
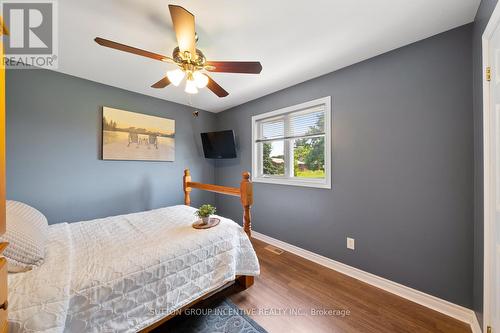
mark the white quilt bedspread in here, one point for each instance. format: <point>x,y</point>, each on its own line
<point>38,299</point>
<point>126,272</point>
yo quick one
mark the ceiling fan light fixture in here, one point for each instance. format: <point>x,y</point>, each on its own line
<point>191,87</point>
<point>200,79</point>
<point>175,76</point>
<point>188,59</point>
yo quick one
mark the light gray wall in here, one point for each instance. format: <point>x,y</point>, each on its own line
<point>53,149</point>
<point>402,168</point>
<point>482,17</point>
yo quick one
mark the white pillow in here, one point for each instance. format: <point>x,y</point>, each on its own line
<point>26,233</point>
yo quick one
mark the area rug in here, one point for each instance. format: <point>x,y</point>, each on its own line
<point>219,316</point>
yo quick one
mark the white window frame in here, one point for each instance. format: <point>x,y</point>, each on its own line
<point>325,183</point>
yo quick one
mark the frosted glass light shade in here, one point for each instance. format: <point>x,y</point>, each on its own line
<point>191,87</point>
<point>200,79</point>
<point>175,76</point>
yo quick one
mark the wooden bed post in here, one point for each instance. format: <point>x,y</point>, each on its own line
<point>246,196</point>
<point>246,189</point>
<point>187,189</point>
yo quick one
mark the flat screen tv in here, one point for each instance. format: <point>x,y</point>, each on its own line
<point>219,144</point>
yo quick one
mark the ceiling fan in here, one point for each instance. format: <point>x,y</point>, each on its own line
<point>190,61</point>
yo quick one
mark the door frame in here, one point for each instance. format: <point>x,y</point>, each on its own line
<point>488,218</point>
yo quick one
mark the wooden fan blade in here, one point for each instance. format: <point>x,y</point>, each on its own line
<point>245,67</point>
<point>216,89</point>
<point>162,83</point>
<point>184,29</point>
<point>131,49</point>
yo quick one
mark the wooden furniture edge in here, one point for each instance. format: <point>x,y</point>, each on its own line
<point>3,246</point>
<point>4,291</point>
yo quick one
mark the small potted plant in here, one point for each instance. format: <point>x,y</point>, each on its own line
<point>204,213</point>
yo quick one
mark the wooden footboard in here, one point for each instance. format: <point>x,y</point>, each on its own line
<point>245,193</point>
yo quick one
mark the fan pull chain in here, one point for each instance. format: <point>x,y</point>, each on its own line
<point>190,103</point>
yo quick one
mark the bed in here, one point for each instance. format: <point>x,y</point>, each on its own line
<point>132,272</point>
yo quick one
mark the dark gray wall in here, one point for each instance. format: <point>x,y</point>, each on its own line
<point>402,161</point>
<point>482,17</point>
<point>402,168</point>
<point>53,149</point>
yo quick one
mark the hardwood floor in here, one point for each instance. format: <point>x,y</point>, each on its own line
<point>289,287</point>
<point>289,282</point>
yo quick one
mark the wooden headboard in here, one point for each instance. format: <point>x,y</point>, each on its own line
<point>244,192</point>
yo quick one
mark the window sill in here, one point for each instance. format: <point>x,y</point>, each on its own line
<point>323,184</point>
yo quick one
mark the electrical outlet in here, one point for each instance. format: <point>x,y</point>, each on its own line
<point>350,243</point>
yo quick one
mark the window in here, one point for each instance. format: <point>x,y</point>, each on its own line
<point>291,146</point>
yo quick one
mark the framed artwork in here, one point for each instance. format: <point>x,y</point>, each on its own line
<point>134,136</point>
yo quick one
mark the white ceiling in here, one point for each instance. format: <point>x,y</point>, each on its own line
<point>294,40</point>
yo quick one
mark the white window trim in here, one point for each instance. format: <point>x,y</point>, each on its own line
<point>256,159</point>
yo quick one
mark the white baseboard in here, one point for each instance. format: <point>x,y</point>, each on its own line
<point>474,325</point>
<point>450,309</point>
